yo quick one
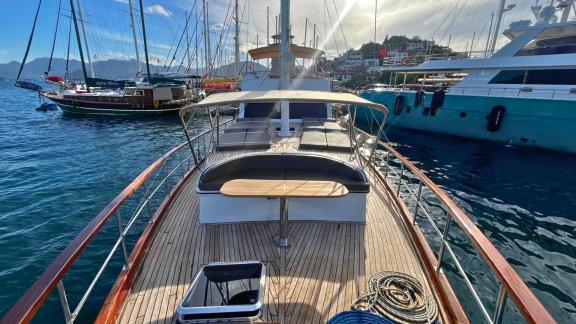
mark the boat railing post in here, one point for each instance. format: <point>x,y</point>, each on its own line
<point>217,126</point>
<point>386,165</point>
<point>64,302</point>
<point>400,180</point>
<point>418,196</point>
<point>122,241</point>
<point>444,238</point>
<point>500,305</point>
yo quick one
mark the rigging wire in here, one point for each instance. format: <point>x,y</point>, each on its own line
<point>29,41</point>
<point>54,39</point>
<point>340,23</point>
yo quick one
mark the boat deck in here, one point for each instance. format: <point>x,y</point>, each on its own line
<point>326,266</point>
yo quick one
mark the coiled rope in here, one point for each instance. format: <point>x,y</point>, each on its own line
<point>399,297</point>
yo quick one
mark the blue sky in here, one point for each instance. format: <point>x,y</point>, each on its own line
<point>109,34</point>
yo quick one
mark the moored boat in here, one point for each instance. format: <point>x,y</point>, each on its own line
<point>524,94</point>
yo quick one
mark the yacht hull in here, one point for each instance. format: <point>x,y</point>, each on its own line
<point>540,123</point>
<point>115,111</point>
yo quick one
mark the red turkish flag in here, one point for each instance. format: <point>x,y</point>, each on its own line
<point>383,52</point>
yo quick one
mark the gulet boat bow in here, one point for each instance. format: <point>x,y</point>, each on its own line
<point>174,221</point>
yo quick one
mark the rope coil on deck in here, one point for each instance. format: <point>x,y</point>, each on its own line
<point>399,297</point>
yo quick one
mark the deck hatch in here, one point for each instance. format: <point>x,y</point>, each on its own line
<point>225,291</point>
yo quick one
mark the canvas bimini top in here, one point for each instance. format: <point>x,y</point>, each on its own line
<point>232,98</point>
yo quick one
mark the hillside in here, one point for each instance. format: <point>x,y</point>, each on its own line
<point>109,69</point>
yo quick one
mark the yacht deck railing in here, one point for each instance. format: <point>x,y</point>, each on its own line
<point>409,185</point>
<point>145,200</point>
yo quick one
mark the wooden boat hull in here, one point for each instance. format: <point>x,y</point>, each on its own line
<point>117,108</point>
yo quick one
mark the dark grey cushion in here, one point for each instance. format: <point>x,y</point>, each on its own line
<point>291,166</point>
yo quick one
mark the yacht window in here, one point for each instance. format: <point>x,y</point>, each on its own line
<point>509,77</point>
<point>129,93</point>
<point>553,40</point>
<point>139,93</point>
<point>557,77</point>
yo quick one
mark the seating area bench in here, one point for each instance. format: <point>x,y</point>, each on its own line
<point>217,208</point>
<point>324,135</point>
<point>246,134</point>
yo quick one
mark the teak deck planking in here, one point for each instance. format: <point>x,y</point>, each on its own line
<point>327,264</point>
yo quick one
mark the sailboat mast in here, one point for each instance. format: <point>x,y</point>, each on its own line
<point>285,59</point>
<point>29,41</point>
<point>206,40</point>
<point>237,42</point>
<point>145,43</point>
<point>133,25</point>
<point>79,43</point>
<point>85,38</point>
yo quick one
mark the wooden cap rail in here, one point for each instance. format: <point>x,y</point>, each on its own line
<point>527,303</point>
<point>29,304</point>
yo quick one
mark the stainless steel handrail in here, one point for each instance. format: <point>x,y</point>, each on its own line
<point>387,161</point>
<point>35,297</point>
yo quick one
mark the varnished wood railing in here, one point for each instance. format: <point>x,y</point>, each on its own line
<point>33,299</point>
<point>511,284</point>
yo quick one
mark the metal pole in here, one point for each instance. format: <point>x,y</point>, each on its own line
<point>267,25</point>
<point>85,38</point>
<point>417,202</point>
<point>122,241</point>
<point>133,26</point>
<point>500,305</point>
<point>443,243</point>
<point>285,62</point>
<point>283,222</point>
<point>237,42</point>
<point>400,179</point>
<point>305,31</point>
<point>206,40</point>
<point>145,42</point>
<point>489,35</point>
<point>79,43</point>
<point>64,302</point>
<point>497,28</point>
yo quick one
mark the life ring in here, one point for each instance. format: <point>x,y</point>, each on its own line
<point>156,103</point>
<point>495,118</point>
<point>139,74</point>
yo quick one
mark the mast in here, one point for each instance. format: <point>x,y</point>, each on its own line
<point>305,31</point>
<point>29,41</point>
<point>133,25</point>
<point>188,41</point>
<point>285,58</point>
<point>85,38</point>
<point>501,11</point>
<point>79,43</point>
<point>196,53</point>
<point>206,40</point>
<point>237,42</point>
<point>145,43</point>
<point>267,25</point>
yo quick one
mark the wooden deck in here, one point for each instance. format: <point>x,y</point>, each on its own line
<point>326,266</point>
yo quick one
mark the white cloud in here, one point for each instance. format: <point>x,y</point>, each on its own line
<point>121,1</point>
<point>158,10</point>
<point>217,27</point>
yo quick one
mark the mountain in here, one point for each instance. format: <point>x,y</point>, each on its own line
<point>109,69</point>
